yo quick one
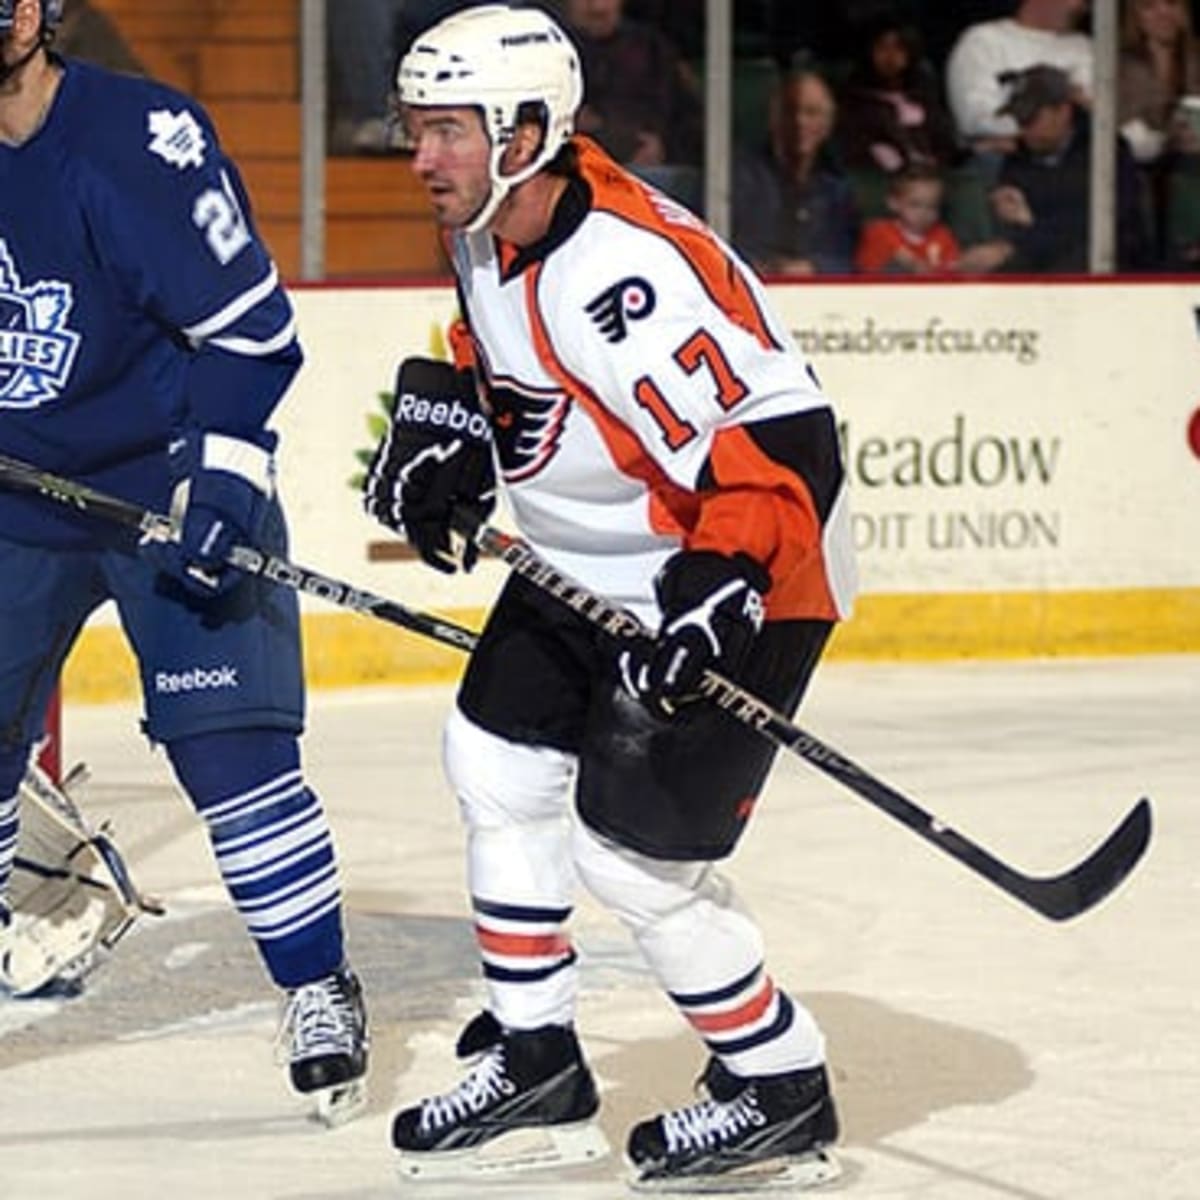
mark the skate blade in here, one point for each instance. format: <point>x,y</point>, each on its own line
<point>778,1175</point>
<point>337,1105</point>
<point>509,1154</point>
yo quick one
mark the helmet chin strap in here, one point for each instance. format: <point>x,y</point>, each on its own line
<point>8,70</point>
<point>501,186</point>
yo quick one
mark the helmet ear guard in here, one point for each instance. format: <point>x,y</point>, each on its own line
<point>507,63</point>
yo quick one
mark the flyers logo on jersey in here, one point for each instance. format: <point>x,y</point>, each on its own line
<point>37,350</point>
<point>527,426</point>
<point>632,299</point>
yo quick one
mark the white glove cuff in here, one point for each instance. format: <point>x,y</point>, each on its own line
<point>220,452</point>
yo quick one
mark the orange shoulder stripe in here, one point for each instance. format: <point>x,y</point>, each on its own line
<point>615,191</point>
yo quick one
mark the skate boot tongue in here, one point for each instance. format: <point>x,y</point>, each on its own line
<point>325,1030</point>
<point>720,1082</point>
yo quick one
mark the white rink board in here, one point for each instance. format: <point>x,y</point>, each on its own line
<point>1053,455</point>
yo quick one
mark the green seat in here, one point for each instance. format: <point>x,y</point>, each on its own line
<point>968,211</point>
<point>1183,215</point>
<point>752,83</point>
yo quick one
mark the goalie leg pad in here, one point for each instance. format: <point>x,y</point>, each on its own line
<point>12,767</point>
<point>71,895</point>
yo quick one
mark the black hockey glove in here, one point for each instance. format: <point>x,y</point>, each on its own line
<point>712,608</point>
<point>433,471</point>
<point>223,490</point>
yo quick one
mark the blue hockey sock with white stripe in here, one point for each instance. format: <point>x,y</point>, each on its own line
<point>273,846</point>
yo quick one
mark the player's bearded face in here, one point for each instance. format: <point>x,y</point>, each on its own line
<point>451,159</point>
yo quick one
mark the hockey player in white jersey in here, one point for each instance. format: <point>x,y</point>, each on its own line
<point>144,344</point>
<point>659,439</point>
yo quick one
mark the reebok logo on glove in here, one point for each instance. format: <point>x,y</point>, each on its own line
<point>432,478</point>
<point>453,415</point>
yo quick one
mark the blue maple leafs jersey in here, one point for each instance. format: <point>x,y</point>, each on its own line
<point>136,298</point>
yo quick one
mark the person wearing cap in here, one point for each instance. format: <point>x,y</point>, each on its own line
<point>1039,31</point>
<point>1040,202</point>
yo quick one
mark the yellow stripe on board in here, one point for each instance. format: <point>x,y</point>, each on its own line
<point>345,650</point>
<point>1022,624</point>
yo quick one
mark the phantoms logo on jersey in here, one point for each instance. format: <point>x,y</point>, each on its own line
<point>630,300</point>
<point>37,349</point>
<point>176,138</point>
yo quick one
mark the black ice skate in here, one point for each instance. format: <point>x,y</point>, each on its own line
<point>526,1103</point>
<point>325,1028</point>
<point>765,1133</point>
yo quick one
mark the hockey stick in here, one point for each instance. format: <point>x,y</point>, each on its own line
<point>155,527</point>
<point>1057,897</point>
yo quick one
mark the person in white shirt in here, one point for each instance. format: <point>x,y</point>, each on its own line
<point>988,53</point>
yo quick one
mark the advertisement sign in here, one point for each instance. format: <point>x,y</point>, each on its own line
<point>1024,463</point>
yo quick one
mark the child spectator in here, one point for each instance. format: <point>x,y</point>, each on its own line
<point>914,239</point>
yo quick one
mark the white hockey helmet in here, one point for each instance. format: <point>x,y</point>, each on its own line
<point>500,60</point>
<point>52,11</point>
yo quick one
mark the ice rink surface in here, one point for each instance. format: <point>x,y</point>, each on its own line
<point>979,1052</point>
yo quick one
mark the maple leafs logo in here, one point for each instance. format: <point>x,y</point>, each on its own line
<point>176,138</point>
<point>37,350</point>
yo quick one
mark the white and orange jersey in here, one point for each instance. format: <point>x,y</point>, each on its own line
<point>644,399</point>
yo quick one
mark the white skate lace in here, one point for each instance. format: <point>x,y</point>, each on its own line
<point>487,1081</point>
<point>707,1123</point>
<point>317,1020</point>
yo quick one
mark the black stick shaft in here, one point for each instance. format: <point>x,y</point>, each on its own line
<point>155,527</point>
<point>1057,897</point>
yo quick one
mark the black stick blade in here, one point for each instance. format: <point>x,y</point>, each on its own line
<point>1061,897</point>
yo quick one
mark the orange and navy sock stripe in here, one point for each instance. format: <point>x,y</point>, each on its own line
<point>742,1015</point>
<point>521,943</point>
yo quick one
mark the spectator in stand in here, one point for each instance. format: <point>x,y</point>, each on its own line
<point>891,115</point>
<point>641,102</point>
<point>363,39</point>
<point>1159,67</point>
<point>793,209</point>
<point>90,34</point>
<point>1040,203</point>
<point>1039,31</point>
<point>915,240</point>
<point>366,39</point>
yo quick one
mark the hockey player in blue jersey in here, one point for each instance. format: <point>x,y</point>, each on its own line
<point>145,341</point>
